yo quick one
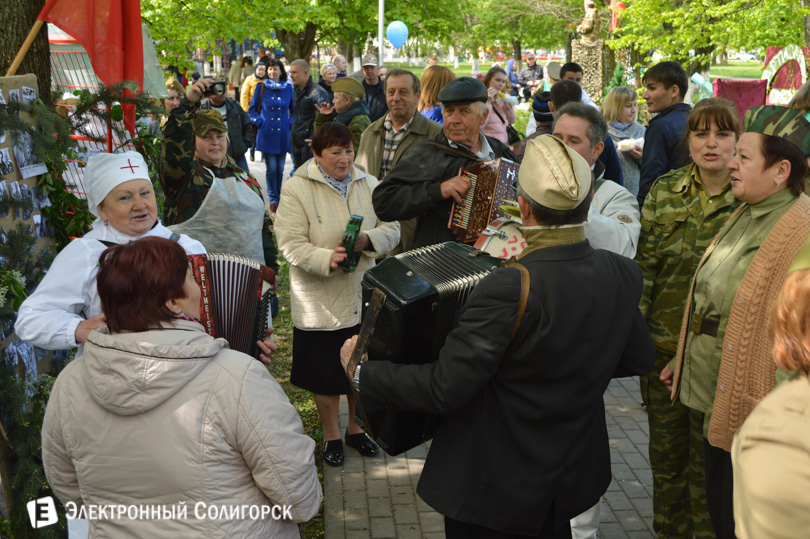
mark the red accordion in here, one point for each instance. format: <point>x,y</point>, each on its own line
<point>493,183</point>
<point>235,298</point>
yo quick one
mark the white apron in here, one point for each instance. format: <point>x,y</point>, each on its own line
<point>229,220</point>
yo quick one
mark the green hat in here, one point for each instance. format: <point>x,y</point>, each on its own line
<point>349,85</point>
<point>781,122</point>
<point>463,90</point>
<point>207,120</point>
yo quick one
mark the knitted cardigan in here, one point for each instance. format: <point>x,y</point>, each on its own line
<point>747,369</point>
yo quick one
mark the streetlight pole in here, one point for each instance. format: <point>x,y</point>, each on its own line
<point>380,24</point>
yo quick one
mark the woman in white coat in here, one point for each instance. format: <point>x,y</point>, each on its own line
<point>65,307</point>
<point>316,204</point>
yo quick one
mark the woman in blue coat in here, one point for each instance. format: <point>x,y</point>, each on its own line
<point>271,111</point>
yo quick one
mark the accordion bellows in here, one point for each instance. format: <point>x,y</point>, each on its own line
<point>425,290</point>
<point>231,304</point>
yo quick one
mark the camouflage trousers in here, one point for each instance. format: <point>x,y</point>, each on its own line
<point>676,461</point>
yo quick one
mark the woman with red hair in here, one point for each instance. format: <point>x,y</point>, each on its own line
<point>156,413</point>
<point>771,452</point>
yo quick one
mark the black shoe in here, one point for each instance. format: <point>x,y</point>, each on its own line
<point>360,441</point>
<point>333,453</point>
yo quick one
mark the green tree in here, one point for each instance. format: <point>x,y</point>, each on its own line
<point>705,28</point>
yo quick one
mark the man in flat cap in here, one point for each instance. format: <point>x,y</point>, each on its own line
<point>522,444</point>
<point>428,177</point>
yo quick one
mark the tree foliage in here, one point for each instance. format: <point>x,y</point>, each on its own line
<point>707,27</point>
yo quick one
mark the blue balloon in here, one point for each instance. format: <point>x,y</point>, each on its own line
<point>397,33</point>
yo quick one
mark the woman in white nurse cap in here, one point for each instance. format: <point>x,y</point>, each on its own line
<point>65,307</point>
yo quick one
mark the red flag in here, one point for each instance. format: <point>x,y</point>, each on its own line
<point>110,32</point>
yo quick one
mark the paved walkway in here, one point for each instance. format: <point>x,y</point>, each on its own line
<point>376,497</point>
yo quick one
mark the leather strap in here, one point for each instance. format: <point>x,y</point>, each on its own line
<point>456,152</point>
<point>525,282</point>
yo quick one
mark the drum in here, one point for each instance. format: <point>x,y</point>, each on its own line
<point>502,239</point>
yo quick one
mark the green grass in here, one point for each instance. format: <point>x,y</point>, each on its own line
<point>300,399</point>
<point>736,69</point>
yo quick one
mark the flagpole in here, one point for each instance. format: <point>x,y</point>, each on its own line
<point>24,49</point>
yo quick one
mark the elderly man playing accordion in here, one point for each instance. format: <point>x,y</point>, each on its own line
<point>427,178</point>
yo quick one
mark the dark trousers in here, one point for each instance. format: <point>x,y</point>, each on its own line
<point>300,155</point>
<point>453,529</point>
<point>720,490</point>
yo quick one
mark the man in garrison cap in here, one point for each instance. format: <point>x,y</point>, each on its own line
<point>427,178</point>
<point>522,444</point>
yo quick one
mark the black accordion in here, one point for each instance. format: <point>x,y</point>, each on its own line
<point>425,290</point>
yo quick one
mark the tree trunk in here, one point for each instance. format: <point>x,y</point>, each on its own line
<point>806,4</point>
<point>517,50</point>
<point>569,40</point>
<point>17,19</point>
<point>297,45</point>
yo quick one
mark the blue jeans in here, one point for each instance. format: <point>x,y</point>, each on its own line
<point>242,162</point>
<point>275,173</point>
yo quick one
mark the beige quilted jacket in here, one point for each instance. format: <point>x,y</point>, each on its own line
<point>310,223</point>
<point>174,418</point>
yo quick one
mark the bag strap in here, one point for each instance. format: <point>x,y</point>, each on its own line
<point>261,97</point>
<point>497,114</point>
<point>525,282</point>
<point>456,152</point>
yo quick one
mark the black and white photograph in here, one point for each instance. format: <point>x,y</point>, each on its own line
<point>2,98</point>
<point>40,197</point>
<point>14,192</point>
<point>6,165</point>
<point>26,194</point>
<point>26,160</point>
<point>42,226</point>
<point>3,195</point>
<point>29,95</point>
<point>14,95</point>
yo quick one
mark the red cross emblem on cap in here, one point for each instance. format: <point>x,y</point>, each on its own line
<point>130,166</point>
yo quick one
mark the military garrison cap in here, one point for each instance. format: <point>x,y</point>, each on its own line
<point>207,120</point>
<point>780,122</point>
<point>349,85</point>
<point>463,90</point>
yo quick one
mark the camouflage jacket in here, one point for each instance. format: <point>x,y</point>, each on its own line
<point>674,235</point>
<point>186,181</point>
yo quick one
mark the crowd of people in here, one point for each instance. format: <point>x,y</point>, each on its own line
<point>678,252</point>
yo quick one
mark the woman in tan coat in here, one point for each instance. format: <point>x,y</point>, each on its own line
<point>771,452</point>
<point>316,204</point>
<point>156,414</point>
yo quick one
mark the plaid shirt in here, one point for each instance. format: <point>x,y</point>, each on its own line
<point>392,140</point>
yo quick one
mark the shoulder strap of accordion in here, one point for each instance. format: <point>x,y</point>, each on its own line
<point>525,281</point>
<point>456,152</point>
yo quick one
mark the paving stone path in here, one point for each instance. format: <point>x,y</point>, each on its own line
<point>376,497</point>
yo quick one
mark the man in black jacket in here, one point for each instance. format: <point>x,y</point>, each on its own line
<point>308,95</point>
<point>522,444</point>
<point>427,178</point>
<point>375,88</point>
<point>240,128</point>
<point>530,76</point>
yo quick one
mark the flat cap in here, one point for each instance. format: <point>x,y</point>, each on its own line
<point>780,122</point>
<point>553,174</point>
<point>463,90</point>
<point>349,85</point>
<point>208,120</point>
<point>369,60</point>
<point>553,70</point>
